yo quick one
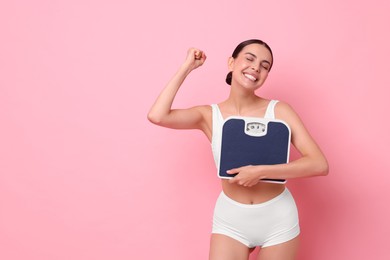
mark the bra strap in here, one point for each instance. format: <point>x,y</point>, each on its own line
<point>216,119</point>
<point>270,112</point>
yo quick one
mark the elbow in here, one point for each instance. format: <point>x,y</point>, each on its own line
<point>322,168</point>
<point>158,119</point>
<point>154,118</point>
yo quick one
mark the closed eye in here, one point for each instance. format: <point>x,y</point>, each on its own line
<point>265,65</point>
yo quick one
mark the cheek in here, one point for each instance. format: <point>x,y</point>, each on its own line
<point>264,75</point>
<point>236,74</point>
<point>240,64</point>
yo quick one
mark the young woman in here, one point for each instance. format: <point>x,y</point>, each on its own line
<point>248,212</point>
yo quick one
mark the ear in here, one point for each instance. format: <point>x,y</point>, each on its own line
<point>230,63</point>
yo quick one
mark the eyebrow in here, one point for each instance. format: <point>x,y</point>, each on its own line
<point>256,57</point>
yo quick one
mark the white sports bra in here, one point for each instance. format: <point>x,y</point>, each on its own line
<point>218,121</point>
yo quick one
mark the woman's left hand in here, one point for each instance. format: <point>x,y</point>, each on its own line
<point>247,176</point>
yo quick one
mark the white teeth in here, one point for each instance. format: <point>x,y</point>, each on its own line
<point>250,77</point>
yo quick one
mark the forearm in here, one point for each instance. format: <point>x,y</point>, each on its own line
<point>161,111</point>
<point>250,175</point>
<point>163,104</point>
<point>300,168</point>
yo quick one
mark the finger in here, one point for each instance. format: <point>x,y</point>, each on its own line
<point>192,52</point>
<point>203,57</point>
<point>237,180</point>
<point>233,171</point>
<point>198,54</point>
<point>250,184</point>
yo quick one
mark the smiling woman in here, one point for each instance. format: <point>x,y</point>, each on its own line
<point>82,171</point>
<point>239,48</point>
<point>249,212</point>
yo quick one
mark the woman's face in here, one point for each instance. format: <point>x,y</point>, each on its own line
<point>250,68</point>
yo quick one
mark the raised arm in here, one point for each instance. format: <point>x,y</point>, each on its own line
<point>161,113</point>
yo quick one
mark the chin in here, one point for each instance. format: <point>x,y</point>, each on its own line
<point>252,87</point>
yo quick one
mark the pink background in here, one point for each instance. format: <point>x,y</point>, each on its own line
<point>84,175</point>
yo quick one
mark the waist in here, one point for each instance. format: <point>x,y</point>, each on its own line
<point>257,194</point>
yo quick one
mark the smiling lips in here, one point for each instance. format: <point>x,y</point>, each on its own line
<point>250,77</point>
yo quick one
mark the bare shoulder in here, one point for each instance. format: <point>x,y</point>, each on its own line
<point>300,135</point>
<point>284,111</point>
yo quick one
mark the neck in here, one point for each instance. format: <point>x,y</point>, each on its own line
<point>242,99</point>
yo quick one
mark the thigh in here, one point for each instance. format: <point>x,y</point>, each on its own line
<point>284,251</point>
<point>225,248</point>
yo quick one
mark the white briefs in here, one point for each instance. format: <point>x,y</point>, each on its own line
<point>265,224</point>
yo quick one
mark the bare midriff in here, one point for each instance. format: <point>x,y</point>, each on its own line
<point>257,194</point>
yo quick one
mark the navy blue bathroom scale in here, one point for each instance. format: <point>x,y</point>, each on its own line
<point>253,141</point>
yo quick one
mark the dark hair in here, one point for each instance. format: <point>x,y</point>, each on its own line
<point>241,46</point>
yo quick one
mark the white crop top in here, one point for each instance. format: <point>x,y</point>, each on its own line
<point>218,121</point>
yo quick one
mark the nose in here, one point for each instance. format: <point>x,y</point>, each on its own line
<point>256,68</point>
